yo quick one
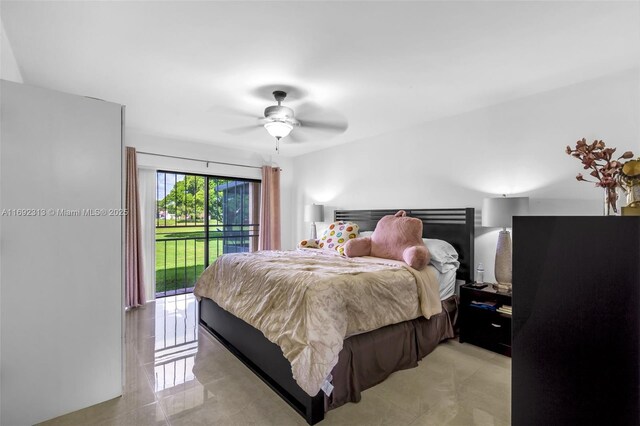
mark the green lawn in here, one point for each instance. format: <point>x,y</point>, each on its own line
<point>179,263</point>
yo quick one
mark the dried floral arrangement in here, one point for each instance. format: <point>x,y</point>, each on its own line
<point>604,168</point>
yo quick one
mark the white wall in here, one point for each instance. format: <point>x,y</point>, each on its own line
<point>9,69</point>
<point>61,276</point>
<point>515,148</point>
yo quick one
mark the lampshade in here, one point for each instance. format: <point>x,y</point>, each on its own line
<point>278,129</point>
<point>314,213</point>
<point>498,212</point>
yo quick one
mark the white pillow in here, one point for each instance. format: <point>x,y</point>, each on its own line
<point>443,256</point>
<point>365,234</point>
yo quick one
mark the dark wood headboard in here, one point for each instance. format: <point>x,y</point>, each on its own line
<point>455,226</point>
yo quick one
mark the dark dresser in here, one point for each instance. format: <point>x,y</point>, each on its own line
<point>576,321</point>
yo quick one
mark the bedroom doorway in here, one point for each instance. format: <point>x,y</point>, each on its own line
<point>199,218</point>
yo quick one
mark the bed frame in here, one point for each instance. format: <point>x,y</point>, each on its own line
<point>265,358</point>
<point>455,226</point>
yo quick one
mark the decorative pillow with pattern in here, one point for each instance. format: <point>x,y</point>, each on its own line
<point>309,244</point>
<point>337,235</point>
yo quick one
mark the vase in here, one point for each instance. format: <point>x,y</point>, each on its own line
<point>610,201</point>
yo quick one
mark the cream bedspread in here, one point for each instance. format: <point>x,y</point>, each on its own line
<point>308,301</point>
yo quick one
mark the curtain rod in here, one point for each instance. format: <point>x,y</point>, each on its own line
<point>202,161</point>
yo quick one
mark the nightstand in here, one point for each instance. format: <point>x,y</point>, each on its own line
<point>481,323</point>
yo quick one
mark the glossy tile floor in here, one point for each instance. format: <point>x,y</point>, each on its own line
<point>176,374</point>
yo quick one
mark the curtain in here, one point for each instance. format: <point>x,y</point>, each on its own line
<point>134,282</point>
<point>270,209</point>
<point>254,215</point>
<point>147,196</point>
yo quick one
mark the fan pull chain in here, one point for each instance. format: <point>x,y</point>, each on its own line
<point>278,145</point>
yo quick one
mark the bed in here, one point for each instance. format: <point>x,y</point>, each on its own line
<point>366,358</point>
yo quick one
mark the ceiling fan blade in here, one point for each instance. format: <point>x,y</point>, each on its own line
<point>314,117</point>
<point>310,134</point>
<point>310,110</point>
<point>242,130</point>
<point>335,127</point>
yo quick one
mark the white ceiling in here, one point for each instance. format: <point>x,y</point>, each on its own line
<point>181,67</point>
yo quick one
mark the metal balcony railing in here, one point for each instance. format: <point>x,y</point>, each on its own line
<point>181,260</point>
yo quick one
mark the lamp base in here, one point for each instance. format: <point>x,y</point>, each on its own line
<point>503,259</point>
<point>502,288</point>
<point>314,232</point>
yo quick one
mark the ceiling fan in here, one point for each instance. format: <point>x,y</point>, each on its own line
<point>312,121</point>
<point>278,119</point>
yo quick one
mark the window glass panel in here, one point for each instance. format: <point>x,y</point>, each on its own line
<point>199,218</point>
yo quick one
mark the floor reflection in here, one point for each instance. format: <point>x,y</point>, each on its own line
<point>176,340</point>
<point>178,375</point>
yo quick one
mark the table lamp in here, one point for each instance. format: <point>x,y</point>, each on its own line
<point>314,213</point>
<point>498,212</point>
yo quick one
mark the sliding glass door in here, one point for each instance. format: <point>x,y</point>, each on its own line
<point>199,218</point>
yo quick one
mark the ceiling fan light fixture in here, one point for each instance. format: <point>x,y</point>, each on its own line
<point>278,129</point>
